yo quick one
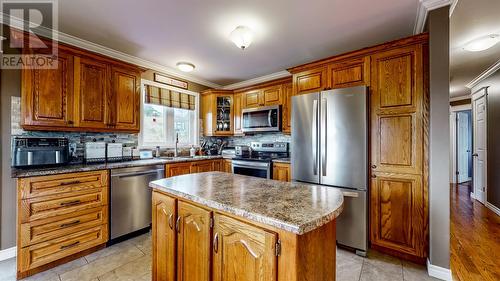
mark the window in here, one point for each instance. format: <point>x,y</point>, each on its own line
<point>161,123</point>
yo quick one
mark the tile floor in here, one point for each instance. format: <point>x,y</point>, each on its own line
<point>131,261</point>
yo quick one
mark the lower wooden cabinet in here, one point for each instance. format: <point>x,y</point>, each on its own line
<point>228,165</point>
<point>202,166</point>
<point>242,251</point>
<point>282,172</point>
<point>164,235</point>
<point>177,169</point>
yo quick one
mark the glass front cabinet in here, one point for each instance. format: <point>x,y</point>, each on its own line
<point>217,112</point>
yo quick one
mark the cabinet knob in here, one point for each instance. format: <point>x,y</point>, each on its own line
<point>70,122</point>
<point>374,166</point>
<point>374,176</point>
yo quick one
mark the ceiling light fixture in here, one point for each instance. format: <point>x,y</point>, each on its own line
<point>185,66</point>
<point>242,37</point>
<point>482,43</point>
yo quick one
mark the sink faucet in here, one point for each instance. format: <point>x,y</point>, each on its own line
<point>176,144</point>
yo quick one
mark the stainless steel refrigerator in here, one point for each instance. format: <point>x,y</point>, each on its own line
<point>330,147</point>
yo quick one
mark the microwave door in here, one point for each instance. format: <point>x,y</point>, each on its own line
<point>305,133</point>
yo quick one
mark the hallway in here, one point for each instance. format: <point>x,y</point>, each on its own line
<point>475,237</point>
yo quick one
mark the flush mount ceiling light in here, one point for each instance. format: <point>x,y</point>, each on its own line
<point>242,37</point>
<point>185,66</point>
<point>482,43</point>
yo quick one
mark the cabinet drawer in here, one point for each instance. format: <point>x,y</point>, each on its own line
<point>56,205</point>
<point>46,252</point>
<point>51,228</point>
<point>49,185</point>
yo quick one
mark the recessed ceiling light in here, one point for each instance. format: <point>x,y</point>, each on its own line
<point>185,66</point>
<point>242,37</point>
<point>482,43</point>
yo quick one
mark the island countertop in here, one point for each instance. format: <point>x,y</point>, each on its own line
<point>293,207</point>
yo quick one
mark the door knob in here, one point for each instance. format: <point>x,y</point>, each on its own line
<point>475,155</point>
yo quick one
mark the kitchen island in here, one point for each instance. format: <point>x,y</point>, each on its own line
<point>220,226</point>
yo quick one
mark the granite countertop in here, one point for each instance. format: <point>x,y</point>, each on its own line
<point>293,207</point>
<point>72,168</point>
<point>282,160</point>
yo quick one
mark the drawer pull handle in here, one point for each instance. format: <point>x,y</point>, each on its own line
<point>70,182</point>
<point>71,203</point>
<point>216,242</point>
<point>70,245</point>
<point>69,224</point>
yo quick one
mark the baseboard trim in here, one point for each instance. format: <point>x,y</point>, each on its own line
<point>8,253</point>
<point>493,208</point>
<point>438,272</point>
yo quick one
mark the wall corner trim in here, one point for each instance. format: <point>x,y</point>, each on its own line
<point>261,79</point>
<point>8,253</point>
<point>493,208</point>
<point>485,74</point>
<point>438,272</point>
<point>423,8</point>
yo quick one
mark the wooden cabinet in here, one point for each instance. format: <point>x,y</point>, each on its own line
<point>217,112</point>
<point>47,95</point>
<point>263,97</point>
<point>202,166</point>
<point>287,109</point>
<point>272,95</point>
<point>349,73</point>
<point>310,81</point>
<point>228,165</point>
<point>242,251</point>
<point>193,243</point>
<point>254,98</point>
<point>125,102</point>
<point>86,92</point>
<point>91,89</point>
<point>238,107</point>
<point>60,217</point>
<point>281,172</point>
<point>177,169</point>
<point>164,237</point>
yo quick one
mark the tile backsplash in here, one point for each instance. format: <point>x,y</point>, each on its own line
<point>247,139</point>
<point>78,139</point>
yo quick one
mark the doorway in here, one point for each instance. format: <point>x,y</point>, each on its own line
<point>464,146</point>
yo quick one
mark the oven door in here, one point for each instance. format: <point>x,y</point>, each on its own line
<point>261,119</point>
<point>252,168</point>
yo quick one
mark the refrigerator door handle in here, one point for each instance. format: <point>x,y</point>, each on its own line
<point>315,137</point>
<point>324,127</point>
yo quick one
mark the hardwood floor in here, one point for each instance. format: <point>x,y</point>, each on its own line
<point>475,237</point>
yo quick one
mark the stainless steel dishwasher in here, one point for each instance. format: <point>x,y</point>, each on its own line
<point>131,199</point>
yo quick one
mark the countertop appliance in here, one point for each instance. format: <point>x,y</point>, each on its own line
<point>114,152</point>
<point>261,119</point>
<point>95,152</point>
<point>258,162</point>
<point>33,151</point>
<point>242,150</point>
<point>330,147</point>
<point>131,199</point>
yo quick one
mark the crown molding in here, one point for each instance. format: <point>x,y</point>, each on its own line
<point>96,48</point>
<point>258,80</point>
<point>485,74</point>
<point>423,8</point>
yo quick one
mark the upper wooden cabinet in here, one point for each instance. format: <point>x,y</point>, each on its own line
<point>85,93</point>
<point>287,108</point>
<point>238,107</point>
<point>164,236</point>
<point>309,81</point>
<point>349,73</point>
<point>254,98</point>
<point>47,95</point>
<point>125,102</point>
<point>242,251</point>
<point>272,95</point>
<point>263,97</point>
<point>217,110</point>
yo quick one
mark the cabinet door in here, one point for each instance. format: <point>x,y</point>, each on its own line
<point>178,169</point>
<point>242,252</point>
<point>218,167</point>
<point>397,213</point>
<point>202,166</point>
<point>397,111</point>
<point>281,172</point>
<point>253,99</point>
<point>193,249</point>
<point>354,72</point>
<point>309,81</point>
<point>125,98</point>
<point>164,235</point>
<point>91,93</point>
<point>272,95</point>
<point>287,109</point>
<point>224,122</point>
<point>228,166</point>
<point>237,114</point>
<point>47,94</point>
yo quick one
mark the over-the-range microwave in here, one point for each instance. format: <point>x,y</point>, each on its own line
<point>261,119</point>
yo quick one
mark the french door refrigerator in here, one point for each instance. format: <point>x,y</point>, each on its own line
<point>330,147</point>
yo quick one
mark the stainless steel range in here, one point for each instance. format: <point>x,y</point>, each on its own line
<point>258,162</point>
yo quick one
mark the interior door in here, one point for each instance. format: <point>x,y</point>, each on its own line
<point>463,149</point>
<point>479,163</point>
<point>305,138</point>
